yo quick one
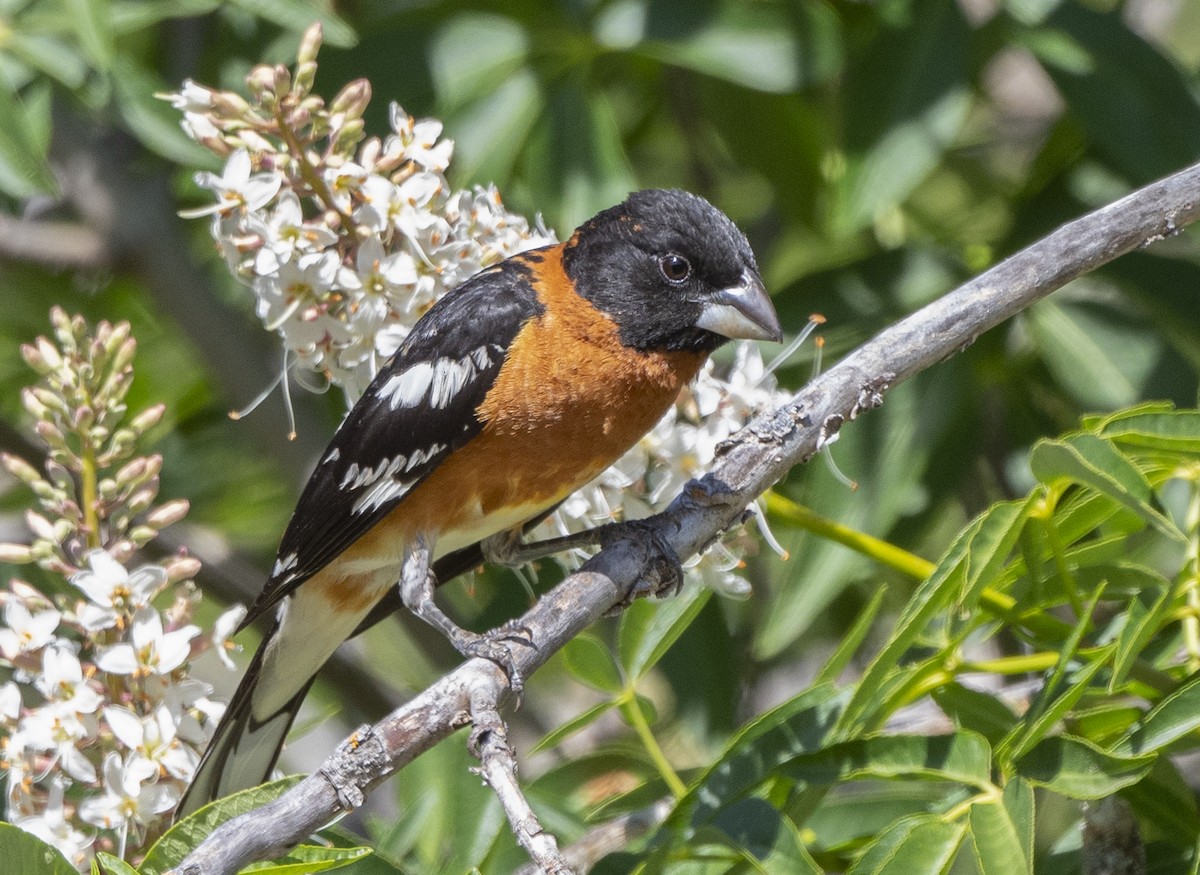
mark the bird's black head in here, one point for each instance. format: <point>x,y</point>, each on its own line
<point>673,272</point>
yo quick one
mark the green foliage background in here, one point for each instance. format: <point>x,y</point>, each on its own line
<point>877,154</point>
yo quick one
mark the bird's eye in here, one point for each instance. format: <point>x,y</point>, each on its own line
<point>675,268</point>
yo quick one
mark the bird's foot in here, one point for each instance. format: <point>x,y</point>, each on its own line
<point>664,571</point>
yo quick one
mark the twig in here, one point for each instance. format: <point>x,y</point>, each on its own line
<point>612,835</point>
<point>747,465</point>
<point>498,767</point>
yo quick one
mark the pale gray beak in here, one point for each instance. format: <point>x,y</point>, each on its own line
<point>742,312</point>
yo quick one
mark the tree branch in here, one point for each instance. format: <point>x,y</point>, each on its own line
<point>748,464</point>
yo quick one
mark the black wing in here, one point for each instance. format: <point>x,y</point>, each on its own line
<point>418,410</point>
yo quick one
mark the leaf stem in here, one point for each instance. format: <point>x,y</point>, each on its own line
<point>633,713</point>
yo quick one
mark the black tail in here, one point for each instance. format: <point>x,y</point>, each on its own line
<point>244,750</point>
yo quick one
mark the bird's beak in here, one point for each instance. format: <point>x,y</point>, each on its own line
<point>742,312</point>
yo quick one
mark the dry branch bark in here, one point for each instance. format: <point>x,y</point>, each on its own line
<point>748,464</point>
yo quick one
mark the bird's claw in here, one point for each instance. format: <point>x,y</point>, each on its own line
<point>494,647</point>
<point>664,571</point>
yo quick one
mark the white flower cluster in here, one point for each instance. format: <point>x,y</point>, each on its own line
<point>345,245</point>
<point>100,725</point>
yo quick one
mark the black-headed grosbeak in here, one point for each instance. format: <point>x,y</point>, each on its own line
<point>513,391</point>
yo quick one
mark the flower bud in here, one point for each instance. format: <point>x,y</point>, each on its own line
<point>352,100</point>
<point>33,406</point>
<point>84,417</point>
<point>283,80</point>
<point>229,104</point>
<point>132,472</point>
<point>50,400</point>
<point>255,142</point>
<point>141,499</point>
<point>168,513</point>
<point>123,354</point>
<point>306,74</point>
<point>310,43</point>
<point>148,418</point>
<point>142,535</point>
<point>261,80</point>
<point>63,529</point>
<point>51,434</point>
<point>17,554</point>
<point>39,525</point>
<point>182,568</point>
<point>20,469</point>
<point>350,134</point>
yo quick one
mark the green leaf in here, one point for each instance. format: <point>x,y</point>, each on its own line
<point>1136,106</point>
<point>93,29</point>
<point>1102,362</point>
<point>852,639</point>
<point>183,837</point>
<point>966,567</point>
<point>1172,718</point>
<point>1048,711</point>
<point>1019,802</point>
<point>473,52</point>
<point>23,168</point>
<point>50,55</point>
<point>296,15</point>
<point>152,120</point>
<point>758,46</point>
<point>575,724</point>
<point>795,727</point>
<point>998,842</point>
<point>1096,463</point>
<point>1147,612</point>
<point>1078,769</point>
<point>588,660</point>
<point>769,841</point>
<point>905,102</point>
<point>111,865</point>
<point>1157,429</point>
<point>649,629</point>
<point>912,846</point>
<point>26,853</point>
<point>310,858</point>
<point>130,16</point>
<point>963,757</point>
<point>975,710</point>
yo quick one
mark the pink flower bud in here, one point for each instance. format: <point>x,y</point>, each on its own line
<point>310,43</point>
<point>168,513</point>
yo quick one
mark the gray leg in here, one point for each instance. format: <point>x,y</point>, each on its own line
<point>416,591</point>
<point>508,550</point>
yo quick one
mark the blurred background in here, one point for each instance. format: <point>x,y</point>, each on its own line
<point>876,153</point>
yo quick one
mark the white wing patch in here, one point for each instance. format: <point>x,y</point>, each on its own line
<point>385,482</point>
<point>439,381</point>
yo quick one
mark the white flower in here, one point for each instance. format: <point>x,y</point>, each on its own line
<point>10,702</point>
<point>52,827</point>
<point>26,632</point>
<point>113,591</point>
<point>151,651</point>
<point>62,682</point>
<point>153,738</point>
<point>189,703</point>
<point>236,188</point>
<point>125,801</point>
<point>345,182</point>
<point>227,624</point>
<point>61,730</point>
<point>284,233</point>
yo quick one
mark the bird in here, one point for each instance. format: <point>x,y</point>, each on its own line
<point>514,390</point>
